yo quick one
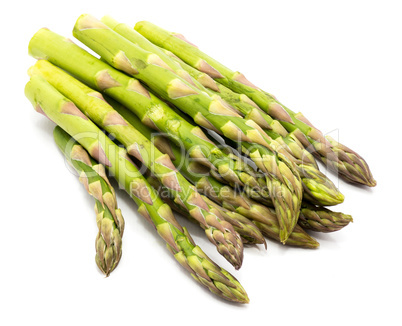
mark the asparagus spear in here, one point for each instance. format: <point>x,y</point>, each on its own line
<point>47,100</point>
<point>318,189</point>
<point>317,186</point>
<point>320,219</point>
<point>241,101</point>
<point>311,217</point>
<point>285,186</point>
<point>153,112</point>
<point>249,232</point>
<point>156,73</point>
<point>197,78</point>
<point>265,218</point>
<point>251,111</point>
<point>338,157</point>
<point>316,218</point>
<point>108,217</point>
<point>197,59</point>
<point>92,104</point>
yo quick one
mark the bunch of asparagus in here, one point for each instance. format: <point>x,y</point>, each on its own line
<point>140,111</point>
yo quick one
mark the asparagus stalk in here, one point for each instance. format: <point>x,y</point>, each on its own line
<point>318,189</point>
<point>286,188</point>
<point>265,218</point>
<point>109,219</point>
<point>251,111</point>
<point>199,60</point>
<point>320,219</point>
<point>336,156</point>
<point>329,195</point>
<point>92,104</point>
<point>221,193</point>
<point>249,232</point>
<point>199,79</point>
<point>317,186</point>
<point>317,216</point>
<point>153,112</point>
<point>48,101</point>
<point>156,73</point>
<point>312,217</point>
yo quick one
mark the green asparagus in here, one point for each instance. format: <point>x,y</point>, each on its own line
<point>328,196</point>
<point>320,219</point>
<point>251,111</point>
<point>317,186</point>
<point>153,112</point>
<point>92,104</point>
<point>318,189</point>
<point>285,189</point>
<point>248,231</point>
<point>265,218</point>
<point>109,219</point>
<point>336,156</point>
<point>48,101</point>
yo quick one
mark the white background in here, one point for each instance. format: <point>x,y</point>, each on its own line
<point>337,62</point>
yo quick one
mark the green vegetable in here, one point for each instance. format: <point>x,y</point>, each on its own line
<point>153,112</point>
<point>336,156</point>
<point>248,231</point>
<point>48,101</point>
<point>265,218</point>
<point>92,104</point>
<point>320,219</point>
<point>286,188</point>
<point>108,217</point>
